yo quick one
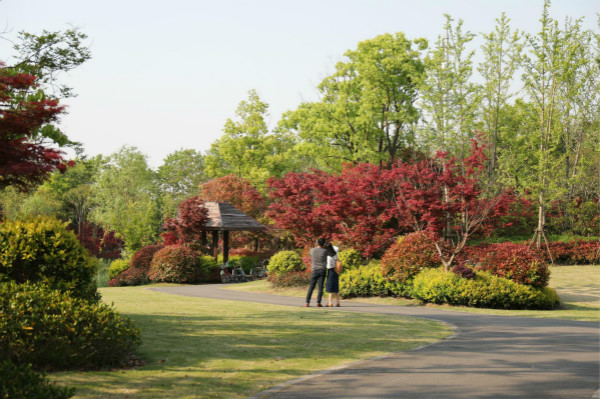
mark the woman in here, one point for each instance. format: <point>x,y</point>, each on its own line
<point>333,279</point>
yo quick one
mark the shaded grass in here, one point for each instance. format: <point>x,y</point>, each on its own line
<point>577,286</point>
<point>203,348</point>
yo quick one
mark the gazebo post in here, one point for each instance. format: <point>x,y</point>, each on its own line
<point>203,239</point>
<point>215,244</point>
<point>225,246</point>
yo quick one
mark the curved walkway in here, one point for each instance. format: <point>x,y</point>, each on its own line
<point>489,357</point>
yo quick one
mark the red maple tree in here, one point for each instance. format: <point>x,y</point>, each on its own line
<point>236,191</point>
<point>187,226</point>
<point>25,158</point>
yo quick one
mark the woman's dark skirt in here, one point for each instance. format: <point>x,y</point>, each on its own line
<point>333,282</point>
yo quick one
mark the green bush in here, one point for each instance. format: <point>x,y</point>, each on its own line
<point>210,269</point>
<point>284,262</point>
<point>368,281</point>
<point>22,382</point>
<point>246,262</point>
<point>350,258</point>
<point>176,264</point>
<point>484,290</point>
<point>117,267</point>
<point>42,249</point>
<point>53,330</point>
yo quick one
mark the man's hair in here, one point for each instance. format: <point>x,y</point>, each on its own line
<point>321,242</point>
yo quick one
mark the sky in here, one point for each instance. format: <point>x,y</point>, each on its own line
<point>166,75</point>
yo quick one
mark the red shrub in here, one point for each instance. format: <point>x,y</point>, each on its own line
<point>574,252</point>
<point>176,264</point>
<point>516,262</point>
<point>131,276</point>
<point>408,256</point>
<point>143,257</point>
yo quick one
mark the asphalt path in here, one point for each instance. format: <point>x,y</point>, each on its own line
<point>487,357</point>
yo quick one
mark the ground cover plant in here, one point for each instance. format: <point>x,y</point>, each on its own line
<point>195,347</point>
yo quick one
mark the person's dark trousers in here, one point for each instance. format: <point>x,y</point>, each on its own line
<point>317,276</point>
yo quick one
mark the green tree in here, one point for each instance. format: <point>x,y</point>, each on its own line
<point>449,100</point>
<point>179,178</point>
<point>126,197</point>
<point>247,149</point>
<point>502,52</point>
<point>367,112</point>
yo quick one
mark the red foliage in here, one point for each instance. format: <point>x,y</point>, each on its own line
<point>111,246</point>
<point>574,252</point>
<point>444,199</point>
<point>352,208</point>
<point>236,191</point>
<point>99,243</point>
<point>143,257</point>
<point>408,256</point>
<point>290,279</point>
<point>131,276</point>
<point>23,159</point>
<point>187,227</point>
<point>516,262</point>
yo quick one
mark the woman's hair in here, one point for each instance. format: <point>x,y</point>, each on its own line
<point>330,249</point>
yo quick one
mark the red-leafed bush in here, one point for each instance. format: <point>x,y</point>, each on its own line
<point>111,246</point>
<point>516,262</point>
<point>143,257</point>
<point>463,271</point>
<point>131,276</point>
<point>408,256</point>
<point>175,264</point>
<point>574,252</point>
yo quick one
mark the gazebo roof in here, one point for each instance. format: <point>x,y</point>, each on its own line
<point>223,216</point>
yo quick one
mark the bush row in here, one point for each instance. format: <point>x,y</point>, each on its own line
<point>53,330</point>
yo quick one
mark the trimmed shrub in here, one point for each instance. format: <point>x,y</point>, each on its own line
<point>243,261</point>
<point>290,279</point>
<point>574,253</point>
<point>350,258</point>
<point>53,330</point>
<point>485,290</point>
<point>176,264</point>
<point>43,250</point>
<point>516,262</point>
<point>368,281</point>
<point>131,276</point>
<point>284,262</point>
<point>117,267</point>
<point>22,382</point>
<point>408,256</point>
<point>143,257</point>
<point>210,269</point>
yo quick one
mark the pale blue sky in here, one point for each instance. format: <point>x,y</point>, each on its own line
<point>166,75</point>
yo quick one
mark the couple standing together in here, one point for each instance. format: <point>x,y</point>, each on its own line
<point>323,259</point>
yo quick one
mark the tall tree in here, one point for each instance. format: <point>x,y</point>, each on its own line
<point>449,100</point>
<point>367,112</point>
<point>179,177</point>
<point>502,52</point>
<point>127,199</point>
<point>247,149</point>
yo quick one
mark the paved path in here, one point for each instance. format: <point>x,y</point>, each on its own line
<point>489,357</point>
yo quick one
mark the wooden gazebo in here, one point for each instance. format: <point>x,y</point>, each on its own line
<point>224,217</point>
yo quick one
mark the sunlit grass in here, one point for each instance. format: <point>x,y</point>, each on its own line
<point>202,348</point>
<point>578,288</point>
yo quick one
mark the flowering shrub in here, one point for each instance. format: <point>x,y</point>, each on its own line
<point>176,264</point>
<point>485,290</point>
<point>516,262</point>
<point>408,256</point>
<point>52,329</point>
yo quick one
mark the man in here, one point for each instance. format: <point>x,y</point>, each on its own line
<point>318,260</point>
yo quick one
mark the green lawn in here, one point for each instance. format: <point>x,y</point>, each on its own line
<point>578,288</point>
<point>202,348</point>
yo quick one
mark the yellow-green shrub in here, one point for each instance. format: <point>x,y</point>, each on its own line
<point>484,290</point>
<point>117,267</point>
<point>284,262</point>
<point>368,281</point>
<point>42,249</point>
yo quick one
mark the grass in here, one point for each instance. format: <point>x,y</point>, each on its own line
<point>202,348</point>
<point>577,287</point>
